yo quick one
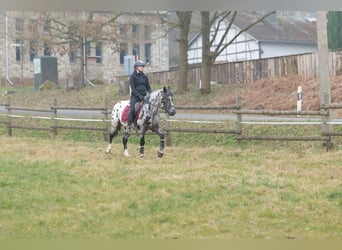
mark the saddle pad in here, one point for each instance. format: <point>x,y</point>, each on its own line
<point>125,112</point>
<point>124,115</point>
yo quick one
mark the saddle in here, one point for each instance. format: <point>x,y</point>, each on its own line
<point>137,108</point>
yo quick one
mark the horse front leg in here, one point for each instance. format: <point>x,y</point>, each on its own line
<point>160,152</point>
<point>142,142</point>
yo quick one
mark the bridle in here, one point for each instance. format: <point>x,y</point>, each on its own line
<point>167,103</point>
<point>164,103</point>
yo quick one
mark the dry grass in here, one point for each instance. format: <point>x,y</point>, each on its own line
<point>64,189</point>
<point>262,94</point>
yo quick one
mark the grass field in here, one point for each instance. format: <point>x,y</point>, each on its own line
<point>67,189</point>
<point>206,186</point>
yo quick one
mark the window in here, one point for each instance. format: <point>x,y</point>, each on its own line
<point>47,50</point>
<point>136,50</point>
<point>148,53</point>
<point>123,52</point>
<point>19,25</point>
<point>47,26</point>
<point>33,50</point>
<point>87,49</point>
<point>72,53</point>
<point>33,27</point>
<point>18,50</point>
<point>135,30</point>
<point>123,30</point>
<point>147,32</point>
<point>98,52</point>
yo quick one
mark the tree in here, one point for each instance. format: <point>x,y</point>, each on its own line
<point>334,29</point>
<point>184,20</point>
<point>210,25</point>
<point>182,24</point>
<point>74,32</point>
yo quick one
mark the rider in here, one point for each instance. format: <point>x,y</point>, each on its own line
<point>140,86</point>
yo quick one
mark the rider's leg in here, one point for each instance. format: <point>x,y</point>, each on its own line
<point>131,114</point>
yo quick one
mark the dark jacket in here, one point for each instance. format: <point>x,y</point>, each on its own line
<point>139,84</point>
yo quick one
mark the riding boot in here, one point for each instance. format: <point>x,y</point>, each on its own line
<point>129,123</point>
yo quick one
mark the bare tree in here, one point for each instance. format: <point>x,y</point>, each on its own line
<point>73,32</point>
<point>209,33</point>
<point>184,20</point>
<point>182,24</point>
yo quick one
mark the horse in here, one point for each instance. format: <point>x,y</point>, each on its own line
<point>147,118</point>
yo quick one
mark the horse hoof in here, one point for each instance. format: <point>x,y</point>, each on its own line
<point>108,150</point>
<point>126,153</point>
<point>141,155</point>
<point>160,154</point>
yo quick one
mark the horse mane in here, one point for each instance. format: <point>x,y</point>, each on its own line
<point>156,94</point>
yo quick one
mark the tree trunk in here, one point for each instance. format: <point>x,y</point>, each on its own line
<point>206,55</point>
<point>84,61</point>
<point>184,18</point>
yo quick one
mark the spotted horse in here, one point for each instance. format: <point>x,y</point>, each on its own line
<point>147,118</point>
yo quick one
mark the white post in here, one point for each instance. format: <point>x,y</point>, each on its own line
<point>299,99</point>
<point>6,51</point>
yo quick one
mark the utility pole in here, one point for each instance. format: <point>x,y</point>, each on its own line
<point>324,76</point>
<point>6,48</point>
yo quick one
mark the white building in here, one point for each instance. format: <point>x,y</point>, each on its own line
<point>277,35</point>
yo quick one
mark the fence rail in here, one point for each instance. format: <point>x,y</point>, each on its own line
<point>240,121</point>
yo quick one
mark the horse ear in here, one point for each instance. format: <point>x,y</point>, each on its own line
<point>164,89</point>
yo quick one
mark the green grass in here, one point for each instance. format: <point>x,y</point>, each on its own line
<point>65,189</point>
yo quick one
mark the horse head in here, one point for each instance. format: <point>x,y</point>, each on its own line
<point>167,101</point>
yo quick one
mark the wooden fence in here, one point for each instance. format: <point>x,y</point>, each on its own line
<point>241,120</point>
<point>52,114</point>
<point>305,65</point>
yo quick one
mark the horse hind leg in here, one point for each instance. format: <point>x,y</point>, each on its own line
<point>114,132</point>
<point>124,142</point>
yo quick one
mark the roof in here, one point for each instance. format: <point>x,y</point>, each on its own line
<point>279,28</point>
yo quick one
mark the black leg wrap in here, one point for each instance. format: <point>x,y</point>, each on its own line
<point>111,136</point>
<point>124,141</point>
<point>160,153</point>
<point>162,143</point>
<point>142,141</point>
<point>141,150</point>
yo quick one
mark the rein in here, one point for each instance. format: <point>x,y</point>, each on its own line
<point>159,105</point>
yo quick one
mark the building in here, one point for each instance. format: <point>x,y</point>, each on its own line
<point>280,34</point>
<point>96,42</point>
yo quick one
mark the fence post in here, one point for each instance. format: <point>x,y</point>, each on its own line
<point>168,133</point>
<point>106,117</point>
<point>54,120</point>
<point>238,118</point>
<point>9,112</point>
<point>326,128</point>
